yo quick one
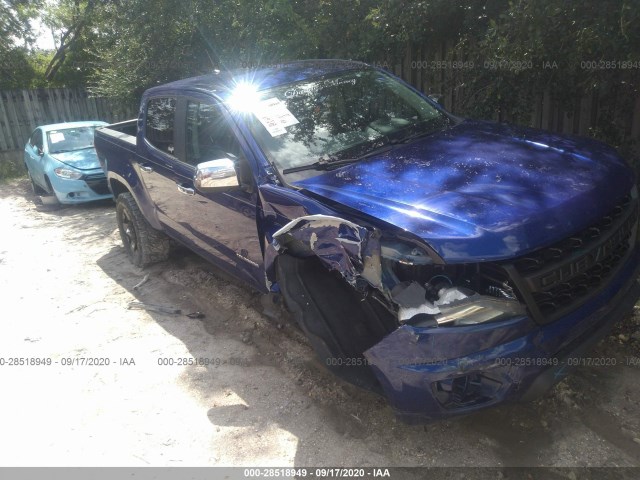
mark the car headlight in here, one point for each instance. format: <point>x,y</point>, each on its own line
<point>478,309</point>
<point>67,173</point>
<point>428,294</point>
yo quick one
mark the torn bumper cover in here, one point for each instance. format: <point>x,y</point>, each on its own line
<point>430,373</point>
<point>437,368</point>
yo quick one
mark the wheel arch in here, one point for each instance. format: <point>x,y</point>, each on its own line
<point>119,185</point>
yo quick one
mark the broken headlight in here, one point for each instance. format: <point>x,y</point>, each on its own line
<point>478,309</point>
<point>430,294</point>
<point>452,306</point>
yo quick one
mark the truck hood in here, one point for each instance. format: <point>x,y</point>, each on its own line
<point>86,159</point>
<point>482,191</point>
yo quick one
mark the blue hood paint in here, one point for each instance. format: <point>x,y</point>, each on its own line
<point>483,191</point>
<point>86,159</point>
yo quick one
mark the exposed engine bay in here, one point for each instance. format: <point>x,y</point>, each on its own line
<point>409,281</point>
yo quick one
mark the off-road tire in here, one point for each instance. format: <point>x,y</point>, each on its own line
<point>144,244</point>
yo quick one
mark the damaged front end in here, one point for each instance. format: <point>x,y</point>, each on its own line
<point>411,280</point>
<point>388,304</point>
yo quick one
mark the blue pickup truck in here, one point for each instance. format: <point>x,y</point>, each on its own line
<point>450,264</point>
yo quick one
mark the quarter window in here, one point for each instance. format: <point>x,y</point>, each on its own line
<point>159,130</point>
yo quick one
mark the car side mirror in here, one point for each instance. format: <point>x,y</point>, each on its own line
<point>216,175</point>
<point>39,151</point>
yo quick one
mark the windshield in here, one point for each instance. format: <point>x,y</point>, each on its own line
<point>70,139</point>
<point>340,117</point>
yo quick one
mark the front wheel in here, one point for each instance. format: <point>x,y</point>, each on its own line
<point>144,244</point>
<point>37,189</point>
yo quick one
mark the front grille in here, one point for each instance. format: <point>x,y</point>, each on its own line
<point>97,183</point>
<point>558,279</point>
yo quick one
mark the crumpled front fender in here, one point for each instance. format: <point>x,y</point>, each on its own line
<point>340,245</point>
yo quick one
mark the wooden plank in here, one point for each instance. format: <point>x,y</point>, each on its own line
<point>23,109</point>
<point>406,65</point>
<point>567,123</point>
<point>47,106</point>
<point>61,100</point>
<point>584,121</point>
<point>418,68</point>
<point>52,114</point>
<point>14,123</point>
<point>6,143</point>
<point>28,110</point>
<point>38,105</point>
<point>545,121</point>
<point>72,102</point>
<point>81,96</point>
<point>58,101</point>
<point>102,110</point>
<point>93,107</point>
<point>635,122</point>
<point>66,105</point>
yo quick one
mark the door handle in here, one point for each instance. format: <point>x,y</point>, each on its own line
<point>146,168</point>
<point>186,190</point>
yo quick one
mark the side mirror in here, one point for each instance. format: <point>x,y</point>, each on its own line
<point>216,175</point>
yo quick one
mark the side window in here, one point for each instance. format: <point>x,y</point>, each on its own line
<point>208,137</point>
<point>160,119</point>
<point>36,139</point>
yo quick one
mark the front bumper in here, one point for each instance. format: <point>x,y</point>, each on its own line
<point>431,373</point>
<point>91,187</point>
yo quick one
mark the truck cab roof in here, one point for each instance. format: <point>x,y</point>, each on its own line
<point>222,82</point>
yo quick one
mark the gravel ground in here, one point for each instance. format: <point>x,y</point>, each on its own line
<point>263,400</point>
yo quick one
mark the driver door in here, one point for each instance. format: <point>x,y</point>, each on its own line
<point>221,225</point>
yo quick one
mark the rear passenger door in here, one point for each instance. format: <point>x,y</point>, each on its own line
<point>159,167</point>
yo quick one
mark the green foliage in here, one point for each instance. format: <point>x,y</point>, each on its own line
<point>121,47</point>
<point>11,168</point>
<point>15,37</point>
<point>570,49</point>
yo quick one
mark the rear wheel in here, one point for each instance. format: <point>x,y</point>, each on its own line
<point>144,244</point>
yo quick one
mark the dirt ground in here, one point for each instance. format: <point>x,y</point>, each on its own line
<point>263,400</point>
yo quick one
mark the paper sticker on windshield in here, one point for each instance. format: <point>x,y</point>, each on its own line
<point>56,137</point>
<point>275,116</point>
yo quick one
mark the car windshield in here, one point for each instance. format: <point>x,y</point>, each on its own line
<point>70,139</point>
<point>335,118</point>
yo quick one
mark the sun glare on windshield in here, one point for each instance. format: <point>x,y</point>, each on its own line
<point>244,97</point>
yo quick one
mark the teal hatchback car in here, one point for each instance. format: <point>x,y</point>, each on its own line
<point>62,163</point>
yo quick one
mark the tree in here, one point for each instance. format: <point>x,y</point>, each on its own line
<point>15,39</point>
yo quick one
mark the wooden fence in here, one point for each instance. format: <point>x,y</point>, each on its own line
<point>21,111</point>
<point>429,70</point>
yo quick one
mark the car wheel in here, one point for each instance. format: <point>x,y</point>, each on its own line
<point>37,189</point>
<point>49,198</point>
<point>144,244</point>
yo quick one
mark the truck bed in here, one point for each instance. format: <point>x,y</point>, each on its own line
<point>125,131</point>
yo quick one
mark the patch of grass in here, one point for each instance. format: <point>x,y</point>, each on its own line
<point>11,169</point>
